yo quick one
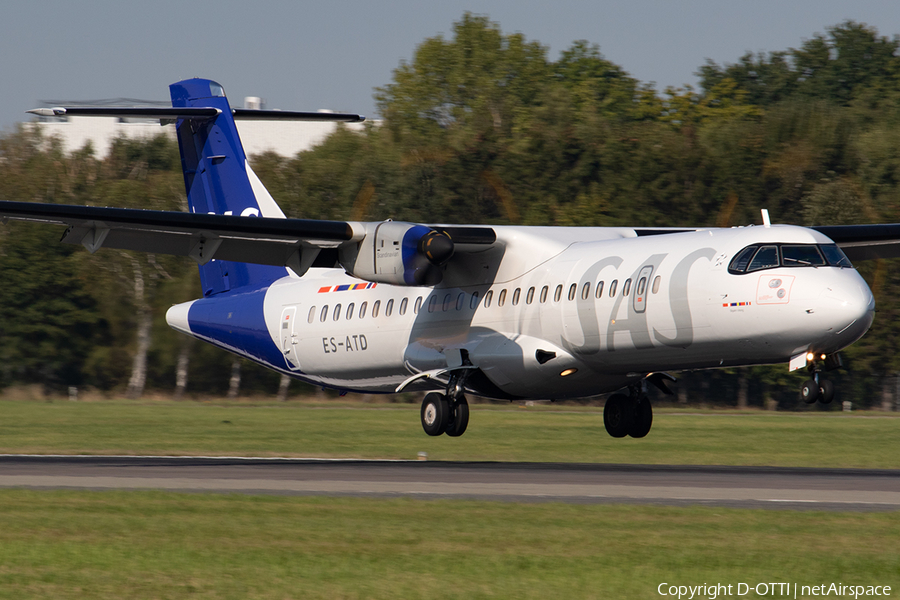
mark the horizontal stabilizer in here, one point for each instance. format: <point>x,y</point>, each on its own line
<point>293,115</point>
<point>150,112</point>
<point>169,114</point>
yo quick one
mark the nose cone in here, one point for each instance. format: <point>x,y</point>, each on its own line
<point>850,308</point>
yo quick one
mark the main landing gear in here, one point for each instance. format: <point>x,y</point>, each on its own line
<point>632,414</point>
<point>627,415</point>
<point>446,413</point>
<point>817,387</point>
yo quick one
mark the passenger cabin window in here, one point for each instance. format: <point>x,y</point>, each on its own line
<point>544,291</point>
<point>460,300</point>
<point>586,291</point>
<point>516,295</point>
<point>446,305</point>
<point>614,284</point>
<point>557,294</point>
<point>473,303</point>
<point>389,307</point>
<point>324,314</point>
<point>487,298</point>
<point>312,314</point>
<point>350,308</point>
<point>599,293</point>
<point>418,305</point>
<point>362,310</point>
<point>403,304</point>
<point>656,285</point>
<point>375,308</point>
<point>529,297</point>
<point>572,289</point>
<point>432,303</point>
<point>641,286</point>
<point>626,289</point>
<point>757,257</point>
<point>501,299</point>
<point>337,312</point>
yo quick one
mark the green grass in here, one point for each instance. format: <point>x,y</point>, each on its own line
<point>393,431</point>
<point>163,545</point>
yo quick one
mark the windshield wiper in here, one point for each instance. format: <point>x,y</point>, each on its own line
<point>802,262</point>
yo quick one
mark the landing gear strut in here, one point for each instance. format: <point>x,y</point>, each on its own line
<point>817,387</point>
<point>446,413</point>
<point>629,415</point>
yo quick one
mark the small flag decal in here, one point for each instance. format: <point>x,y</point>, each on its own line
<point>346,287</point>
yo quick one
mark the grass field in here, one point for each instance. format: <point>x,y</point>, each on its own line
<point>496,433</point>
<point>160,545</point>
<point>74,544</point>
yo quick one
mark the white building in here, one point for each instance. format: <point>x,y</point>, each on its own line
<point>286,138</point>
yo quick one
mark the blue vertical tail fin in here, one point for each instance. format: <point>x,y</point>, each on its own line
<point>219,180</point>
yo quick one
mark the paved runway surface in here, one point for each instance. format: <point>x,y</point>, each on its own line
<point>772,487</point>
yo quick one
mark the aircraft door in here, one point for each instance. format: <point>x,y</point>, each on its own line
<point>642,288</point>
<point>290,337</point>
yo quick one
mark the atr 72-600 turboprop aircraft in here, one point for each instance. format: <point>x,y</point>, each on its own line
<point>502,312</point>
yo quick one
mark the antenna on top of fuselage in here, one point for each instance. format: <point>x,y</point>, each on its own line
<point>765,217</point>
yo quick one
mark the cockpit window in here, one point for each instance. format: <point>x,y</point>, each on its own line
<point>801,256</point>
<point>740,262</point>
<point>765,258</point>
<point>835,256</point>
<point>758,257</point>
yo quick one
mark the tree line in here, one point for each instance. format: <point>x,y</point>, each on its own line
<point>483,127</point>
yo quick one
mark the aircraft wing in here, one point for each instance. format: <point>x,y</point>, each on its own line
<point>295,243</point>
<point>865,242</point>
<point>267,241</point>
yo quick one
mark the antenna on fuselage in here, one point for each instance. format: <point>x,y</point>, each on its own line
<point>765,217</point>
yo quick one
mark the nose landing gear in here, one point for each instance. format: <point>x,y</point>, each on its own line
<point>817,387</point>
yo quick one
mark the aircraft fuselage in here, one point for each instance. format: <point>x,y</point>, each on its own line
<point>552,318</point>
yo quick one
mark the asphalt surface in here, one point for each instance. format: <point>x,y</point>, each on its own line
<point>754,487</point>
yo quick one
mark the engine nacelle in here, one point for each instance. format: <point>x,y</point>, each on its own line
<point>398,253</point>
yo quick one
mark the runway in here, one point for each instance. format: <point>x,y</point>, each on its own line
<point>745,487</point>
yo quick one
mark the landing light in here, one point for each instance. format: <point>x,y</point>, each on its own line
<point>810,356</point>
<point>568,372</point>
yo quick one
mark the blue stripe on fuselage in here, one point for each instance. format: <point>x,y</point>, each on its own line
<point>237,320</point>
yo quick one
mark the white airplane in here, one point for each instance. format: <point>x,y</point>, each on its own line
<point>500,312</point>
